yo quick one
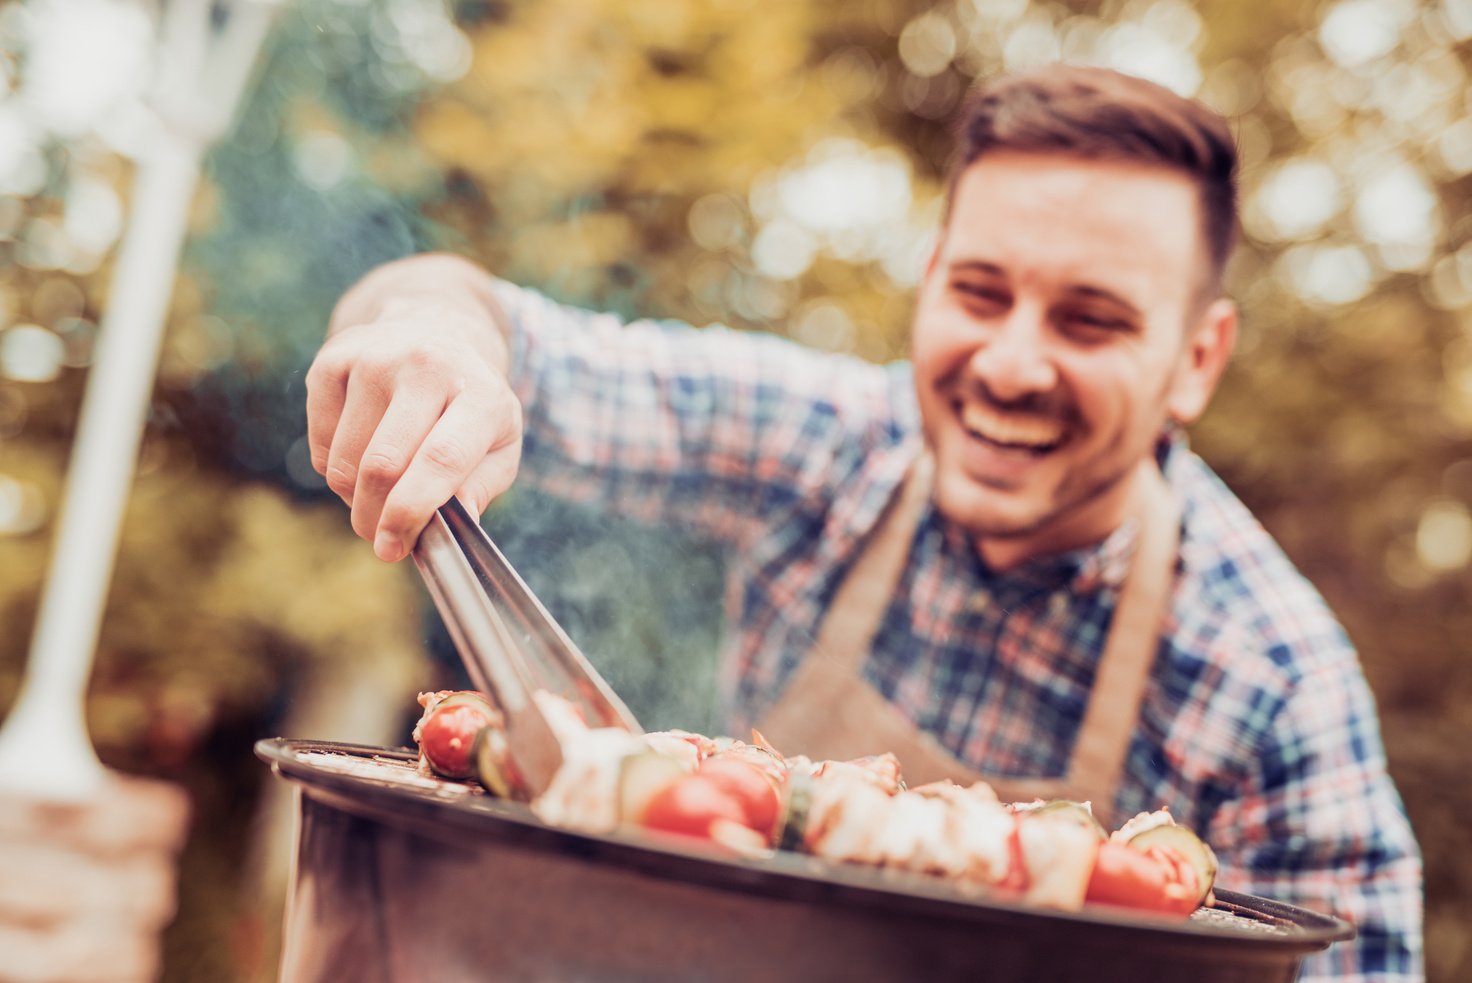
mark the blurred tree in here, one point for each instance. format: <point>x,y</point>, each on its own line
<point>779,172</point>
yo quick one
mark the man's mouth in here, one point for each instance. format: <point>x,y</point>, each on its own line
<point>1027,432</point>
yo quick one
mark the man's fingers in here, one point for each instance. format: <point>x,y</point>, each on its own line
<point>494,476</point>
<point>363,407</point>
<point>408,420</point>
<point>402,413</point>
<point>473,447</point>
<point>327,390</point>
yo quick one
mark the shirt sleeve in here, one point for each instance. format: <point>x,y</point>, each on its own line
<point>1320,824</point>
<point>714,428</point>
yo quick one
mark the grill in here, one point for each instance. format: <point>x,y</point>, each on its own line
<point>402,878</point>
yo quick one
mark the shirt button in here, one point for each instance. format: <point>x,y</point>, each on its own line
<point>1058,603</point>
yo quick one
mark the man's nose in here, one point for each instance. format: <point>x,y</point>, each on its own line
<point>1015,361</point>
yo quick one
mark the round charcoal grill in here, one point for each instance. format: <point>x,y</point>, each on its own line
<point>401,878</point>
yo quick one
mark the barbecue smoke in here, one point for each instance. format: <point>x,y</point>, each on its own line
<point>643,603</point>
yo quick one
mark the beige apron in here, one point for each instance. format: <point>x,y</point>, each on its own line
<point>828,709</point>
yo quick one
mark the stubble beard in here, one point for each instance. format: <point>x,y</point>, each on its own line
<point>1069,499</point>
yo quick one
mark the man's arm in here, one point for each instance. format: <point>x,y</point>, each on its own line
<point>1320,824</point>
<point>408,401</point>
<point>435,377</point>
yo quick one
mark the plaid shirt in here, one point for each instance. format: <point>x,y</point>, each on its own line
<point>1257,727</point>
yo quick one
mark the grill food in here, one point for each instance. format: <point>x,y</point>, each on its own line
<point>395,870</point>
<point>749,799</point>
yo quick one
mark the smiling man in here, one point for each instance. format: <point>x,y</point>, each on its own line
<point>1059,328</point>
<point>1000,560</point>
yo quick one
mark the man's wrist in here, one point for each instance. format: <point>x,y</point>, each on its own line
<point>416,287</point>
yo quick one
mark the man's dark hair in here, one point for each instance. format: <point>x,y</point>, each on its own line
<point>1099,114</point>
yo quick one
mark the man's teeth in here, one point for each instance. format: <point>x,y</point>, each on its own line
<point>1012,429</point>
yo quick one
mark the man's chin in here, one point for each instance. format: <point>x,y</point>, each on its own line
<point>989,513</point>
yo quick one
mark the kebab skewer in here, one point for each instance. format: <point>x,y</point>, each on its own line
<point>750,799</point>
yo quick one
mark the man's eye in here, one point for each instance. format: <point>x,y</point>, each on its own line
<point>1100,323</point>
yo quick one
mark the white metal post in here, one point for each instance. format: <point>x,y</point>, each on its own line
<point>45,749</point>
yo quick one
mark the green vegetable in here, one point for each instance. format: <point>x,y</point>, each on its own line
<point>492,762</point>
<point>797,800</point>
<point>642,776</point>
<point>1076,812</point>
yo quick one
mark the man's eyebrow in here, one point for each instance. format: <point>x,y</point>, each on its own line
<point>977,266</point>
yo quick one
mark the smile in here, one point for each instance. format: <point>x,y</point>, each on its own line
<point>1012,431</point>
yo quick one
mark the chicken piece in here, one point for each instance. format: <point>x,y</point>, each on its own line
<point>847,812</point>
<point>680,744</point>
<point>882,770</point>
<point>983,828</point>
<point>1058,855</point>
<point>915,836</point>
<point>1141,822</point>
<point>584,794</point>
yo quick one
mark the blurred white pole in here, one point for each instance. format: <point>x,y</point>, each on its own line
<point>56,755</point>
<point>45,749</point>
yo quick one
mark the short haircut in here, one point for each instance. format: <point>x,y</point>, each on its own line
<point>1099,114</point>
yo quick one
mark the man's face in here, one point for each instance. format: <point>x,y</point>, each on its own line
<point>1058,327</point>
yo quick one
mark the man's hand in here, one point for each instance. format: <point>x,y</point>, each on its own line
<point>408,401</point>
<point>86,888</point>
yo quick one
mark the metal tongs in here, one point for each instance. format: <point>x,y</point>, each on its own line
<point>510,645</point>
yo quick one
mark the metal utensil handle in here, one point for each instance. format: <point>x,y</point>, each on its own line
<point>550,660</point>
<point>494,661</point>
<point>474,628</point>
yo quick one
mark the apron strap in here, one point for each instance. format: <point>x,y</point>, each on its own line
<point>867,590</point>
<point>1113,711</point>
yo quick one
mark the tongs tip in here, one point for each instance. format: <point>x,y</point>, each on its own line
<point>510,645</point>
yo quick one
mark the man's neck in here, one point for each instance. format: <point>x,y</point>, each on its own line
<point>1086,526</point>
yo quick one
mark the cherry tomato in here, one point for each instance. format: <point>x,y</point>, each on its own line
<point>1154,881</point>
<point>750,785</point>
<point>690,804</point>
<point>1016,879</point>
<point>447,734</point>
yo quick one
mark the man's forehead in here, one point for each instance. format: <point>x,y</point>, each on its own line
<point>1071,190</point>
<point>1087,221</point>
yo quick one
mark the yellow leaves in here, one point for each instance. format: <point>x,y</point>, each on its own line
<point>577,87</point>
<point>215,576</point>
<point>683,103</point>
<point>589,240</point>
<point>528,137</point>
<point>769,51</point>
<point>547,46</point>
<point>312,604</point>
<point>451,132</point>
<point>666,24</point>
<point>572,103</point>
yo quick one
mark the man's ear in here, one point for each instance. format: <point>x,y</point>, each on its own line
<point>1208,348</point>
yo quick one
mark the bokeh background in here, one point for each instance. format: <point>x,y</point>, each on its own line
<point>776,167</point>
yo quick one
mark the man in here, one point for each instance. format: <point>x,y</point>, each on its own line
<point>964,548</point>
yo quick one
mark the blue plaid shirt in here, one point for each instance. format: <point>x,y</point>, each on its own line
<point>1257,728</point>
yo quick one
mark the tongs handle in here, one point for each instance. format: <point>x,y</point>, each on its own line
<point>510,644</point>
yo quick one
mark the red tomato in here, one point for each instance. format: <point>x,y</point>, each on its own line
<point>447,735</point>
<point>689,805</point>
<point>1016,879</point>
<point>1127,877</point>
<point>748,783</point>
